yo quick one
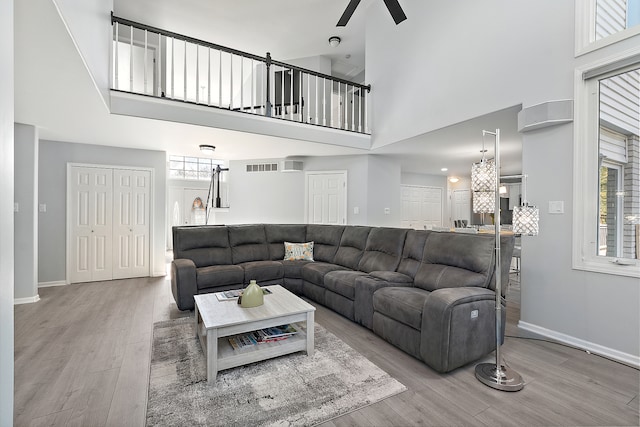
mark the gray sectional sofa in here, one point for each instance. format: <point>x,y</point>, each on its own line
<point>431,294</point>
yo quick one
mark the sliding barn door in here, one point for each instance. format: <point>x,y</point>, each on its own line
<point>90,192</point>
<point>131,223</point>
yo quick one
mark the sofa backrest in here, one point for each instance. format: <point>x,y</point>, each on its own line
<point>326,239</point>
<point>352,244</point>
<point>277,234</point>
<point>248,243</point>
<point>413,252</point>
<point>204,245</point>
<point>455,259</point>
<point>383,250</point>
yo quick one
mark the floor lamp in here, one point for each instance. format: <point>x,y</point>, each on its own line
<point>485,185</point>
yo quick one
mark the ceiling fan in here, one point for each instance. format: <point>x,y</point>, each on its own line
<point>394,9</point>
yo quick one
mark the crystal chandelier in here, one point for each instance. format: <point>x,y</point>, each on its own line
<point>525,220</point>
<point>483,202</point>
<point>483,174</point>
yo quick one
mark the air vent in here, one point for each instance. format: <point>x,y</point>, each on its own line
<point>292,166</point>
<point>263,167</point>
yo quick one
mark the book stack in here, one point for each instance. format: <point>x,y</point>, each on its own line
<point>261,336</point>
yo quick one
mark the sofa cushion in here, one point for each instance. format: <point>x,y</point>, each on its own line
<point>383,250</point>
<point>391,276</point>
<point>401,304</point>
<point>413,252</point>
<point>314,272</point>
<point>342,282</point>
<point>248,243</point>
<point>277,234</point>
<point>219,275</point>
<point>326,239</point>
<point>437,276</point>
<point>204,245</point>
<point>298,251</point>
<point>293,269</point>
<point>262,271</point>
<point>352,244</point>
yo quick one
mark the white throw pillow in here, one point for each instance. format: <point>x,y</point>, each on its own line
<point>298,251</point>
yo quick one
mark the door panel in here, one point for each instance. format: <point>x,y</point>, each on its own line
<point>326,198</point>
<point>420,207</point>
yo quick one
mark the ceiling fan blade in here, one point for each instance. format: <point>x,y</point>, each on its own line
<point>395,10</point>
<point>351,7</point>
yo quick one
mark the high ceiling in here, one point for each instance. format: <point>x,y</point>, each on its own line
<point>54,91</point>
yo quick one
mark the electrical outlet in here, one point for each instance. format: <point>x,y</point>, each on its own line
<point>16,207</point>
<point>356,210</point>
<point>474,314</point>
<point>387,211</point>
<point>42,207</point>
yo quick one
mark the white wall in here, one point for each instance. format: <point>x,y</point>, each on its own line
<point>26,219</point>
<point>52,183</point>
<point>263,197</point>
<point>383,188</point>
<point>89,25</point>
<point>6,212</point>
<point>488,56</point>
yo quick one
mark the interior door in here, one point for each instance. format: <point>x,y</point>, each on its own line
<point>461,205</point>
<point>420,207</point>
<point>326,197</point>
<point>91,193</point>
<point>131,223</point>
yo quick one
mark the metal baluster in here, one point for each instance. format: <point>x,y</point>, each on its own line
<point>241,83</point>
<point>173,66</point>
<point>267,91</point>
<point>324,101</point>
<point>331,104</point>
<point>360,110</point>
<point>116,82</point>
<point>159,65</point>
<point>282,94</point>
<point>308,98</point>
<point>208,76</point>
<point>231,81</point>
<point>197,74</point>
<point>300,106</point>
<point>263,92</point>
<point>292,74</point>
<point>185,71</point>
<point>340,106</point>
<point>145,61</point>
<point>353,107</point>
<point>131,59</point>
<point>220,79</point>
<point>317,103</point>
<point>253,93</point>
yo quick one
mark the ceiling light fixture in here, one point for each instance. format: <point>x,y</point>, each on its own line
<point>334,41</point>
<point>444,169</point>
<point>207,148</point>
<point>454,179</point>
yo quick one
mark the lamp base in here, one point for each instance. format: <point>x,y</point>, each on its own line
<point>505,379</point>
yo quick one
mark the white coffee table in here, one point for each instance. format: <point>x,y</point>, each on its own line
<point>216,320</point>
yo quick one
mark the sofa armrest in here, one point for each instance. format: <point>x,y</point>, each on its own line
<point>183,283</point>
<point>458,327</point>
<point>363,302</point>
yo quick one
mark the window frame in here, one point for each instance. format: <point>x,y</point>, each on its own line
<point>585,29</point>
<point>586,168</point>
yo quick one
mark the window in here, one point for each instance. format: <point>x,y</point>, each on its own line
<point>607,167</point>
<point>195,168</point>
<point>602,22</point>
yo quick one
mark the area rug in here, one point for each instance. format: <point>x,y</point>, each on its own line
<point>293,390</point>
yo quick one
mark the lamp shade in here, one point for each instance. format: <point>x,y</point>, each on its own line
<point>483,176</point>
<point>483,201</point>
<point>525,220</point>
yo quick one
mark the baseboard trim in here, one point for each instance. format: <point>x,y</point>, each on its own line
<point>51,284</point>
<point>28,300</point>
<point>159,273</point>
<point>626,358</point>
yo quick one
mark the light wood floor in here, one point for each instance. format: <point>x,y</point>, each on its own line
<point>82,358</point>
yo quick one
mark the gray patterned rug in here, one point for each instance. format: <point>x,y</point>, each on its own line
<point>293,390</point>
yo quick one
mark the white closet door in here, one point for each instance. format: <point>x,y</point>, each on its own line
<point>420,207</point>
<point>326,198</point>
<point>91,192</point>
<point>131,223</point>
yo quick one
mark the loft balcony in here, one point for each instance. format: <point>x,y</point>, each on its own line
<point>167,76</point>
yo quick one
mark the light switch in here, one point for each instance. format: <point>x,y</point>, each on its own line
<point>42,207</point>
<point>556,207</point>
<point>16,207</point>
<point>387,211</point>
<point>356,210</point>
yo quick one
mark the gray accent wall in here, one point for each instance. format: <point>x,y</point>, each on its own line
<point>512,61</point>
<point>6,212</point>
<point>54,156</point>
<point>26,219</point>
